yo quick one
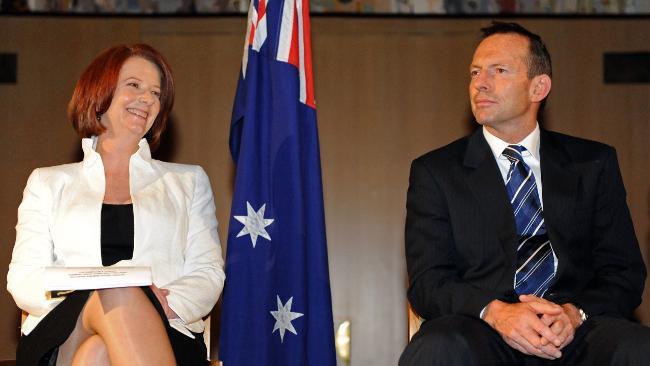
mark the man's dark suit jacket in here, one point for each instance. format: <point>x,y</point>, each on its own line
<point>461,237</point>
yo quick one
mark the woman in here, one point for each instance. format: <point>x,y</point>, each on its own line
<point>118,207</point>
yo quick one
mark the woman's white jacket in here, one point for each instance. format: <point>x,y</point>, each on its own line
<point>175,232</point>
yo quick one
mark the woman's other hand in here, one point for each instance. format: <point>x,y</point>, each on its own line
<point>161,295</point>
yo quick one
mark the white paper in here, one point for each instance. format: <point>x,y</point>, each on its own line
<point>90,278</point>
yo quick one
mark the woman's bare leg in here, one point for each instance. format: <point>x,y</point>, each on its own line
<point>68,349</point>
<point>92,352</point>
<point>128,327</point>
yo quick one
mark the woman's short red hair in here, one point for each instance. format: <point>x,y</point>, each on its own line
<point>94,91</point>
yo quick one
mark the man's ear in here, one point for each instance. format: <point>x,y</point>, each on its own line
<point>540,87</point>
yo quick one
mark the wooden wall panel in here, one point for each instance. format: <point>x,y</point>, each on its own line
<point>382,102</point>
<point>387,91</point>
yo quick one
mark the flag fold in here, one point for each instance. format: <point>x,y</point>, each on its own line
<point>276,303</point>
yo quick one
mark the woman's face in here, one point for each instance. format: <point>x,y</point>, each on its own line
<point>136,100</point>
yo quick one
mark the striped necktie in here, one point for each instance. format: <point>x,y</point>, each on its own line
<point>535,263</point>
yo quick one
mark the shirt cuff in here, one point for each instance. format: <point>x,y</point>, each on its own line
<point>482,314</point>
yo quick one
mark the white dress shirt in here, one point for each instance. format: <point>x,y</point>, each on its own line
<point>531,155</point>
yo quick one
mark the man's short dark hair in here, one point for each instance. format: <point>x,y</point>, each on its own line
<point>538,60</point>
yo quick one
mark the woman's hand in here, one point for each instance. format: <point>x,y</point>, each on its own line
<point>161,295</point>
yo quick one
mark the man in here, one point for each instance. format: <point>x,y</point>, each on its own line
<point>519,244</point>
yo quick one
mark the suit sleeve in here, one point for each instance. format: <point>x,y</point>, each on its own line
<point>435,287</point>
<point>33,249</point>
<point>619,271</point>
<point>193,295</point>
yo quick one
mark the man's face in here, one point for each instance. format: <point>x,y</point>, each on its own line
<point>499,89</point>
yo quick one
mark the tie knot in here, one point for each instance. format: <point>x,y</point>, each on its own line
<point>513,153</point>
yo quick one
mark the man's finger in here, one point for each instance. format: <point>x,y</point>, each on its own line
<point>540,304</point>
<point>530,348</point>
<point>548,320</point>
<point>551,351</point>
<point>516,346</point>
<point>531,298</point>
<point>545,308</point>
<point>546,332</point>
<point>558,327</point>
<point>568,340</point>
<point>567,334</point>
<point>522,344</point>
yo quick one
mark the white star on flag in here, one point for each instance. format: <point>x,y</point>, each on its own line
<point>283,317</point>
<point>254,223</point>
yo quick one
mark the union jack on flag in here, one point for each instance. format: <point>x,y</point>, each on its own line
<point>276,303</point>
<point>292,46</point>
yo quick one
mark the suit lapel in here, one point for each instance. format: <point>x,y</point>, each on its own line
<point>559,188</point>
<point>486,183</point>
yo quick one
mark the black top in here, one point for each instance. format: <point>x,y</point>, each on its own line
<point>117,233</point>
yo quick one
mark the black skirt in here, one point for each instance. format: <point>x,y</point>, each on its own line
<point>40,346</point>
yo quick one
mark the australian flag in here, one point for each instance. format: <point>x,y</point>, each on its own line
<point>276,303</point>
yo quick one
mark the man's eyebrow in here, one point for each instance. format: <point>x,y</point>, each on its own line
<point>496,64</point>
<point>490,65</point>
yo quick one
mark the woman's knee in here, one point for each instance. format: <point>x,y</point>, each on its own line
<point>118,307</point>
<point>92,351</point>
